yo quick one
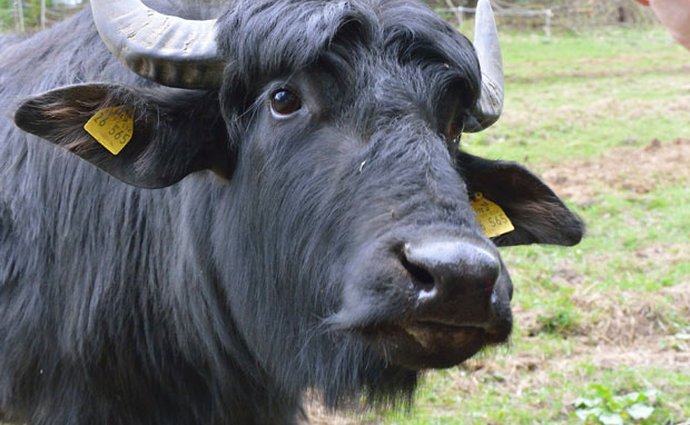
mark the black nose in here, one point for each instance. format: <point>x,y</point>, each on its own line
<point>454,279</point>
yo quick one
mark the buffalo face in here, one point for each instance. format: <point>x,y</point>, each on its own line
<point>365,199</point>
<point>344,247</point>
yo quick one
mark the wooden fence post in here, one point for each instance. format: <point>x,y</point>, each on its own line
<point>547,24</point>
<point>19,11</point>
<point>43,14</point>
<point>458,12</point>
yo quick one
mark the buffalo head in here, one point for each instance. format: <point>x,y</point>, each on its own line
<point>328,208</point>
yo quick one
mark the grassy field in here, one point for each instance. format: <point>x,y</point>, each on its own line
<point>602,330</point>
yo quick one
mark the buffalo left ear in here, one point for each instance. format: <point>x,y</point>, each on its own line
<point>148,138</point>
<point>538,215</point>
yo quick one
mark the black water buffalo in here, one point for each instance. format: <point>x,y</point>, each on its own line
<point>279,203</point>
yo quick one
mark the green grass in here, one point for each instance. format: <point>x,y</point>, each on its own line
<point>617,227</point>
<point>577,98</point>
<point>536,404</point>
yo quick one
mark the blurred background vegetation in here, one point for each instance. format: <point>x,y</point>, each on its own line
<point>567,15</point>
<point>31,15</point>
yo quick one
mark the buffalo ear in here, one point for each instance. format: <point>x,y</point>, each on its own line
<point>538,215</point>
<point>174,132</point>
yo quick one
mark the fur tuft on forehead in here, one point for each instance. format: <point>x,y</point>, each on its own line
<point>419,37</point>
<point>262,40</point>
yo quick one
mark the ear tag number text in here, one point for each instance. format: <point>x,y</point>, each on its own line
<point>491,217</point>
<point>112,127</point>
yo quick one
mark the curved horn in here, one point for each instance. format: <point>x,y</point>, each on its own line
<point>167,49</point>
<point>490,104</point>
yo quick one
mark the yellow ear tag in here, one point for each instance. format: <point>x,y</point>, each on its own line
<point>492,219</point>
<point>112,127</point>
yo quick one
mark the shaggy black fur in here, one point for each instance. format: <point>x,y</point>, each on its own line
<point>222,298</point>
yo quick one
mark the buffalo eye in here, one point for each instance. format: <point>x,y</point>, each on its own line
<point>284,102</point>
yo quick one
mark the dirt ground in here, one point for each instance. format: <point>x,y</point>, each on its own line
<point>633,170</point>
<point>635,333</point>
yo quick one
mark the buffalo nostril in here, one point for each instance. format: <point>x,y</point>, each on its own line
<point>420,276</point>
<point>450,268</point>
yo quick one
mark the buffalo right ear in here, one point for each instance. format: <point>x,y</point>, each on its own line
<point>173,132</point>
<point>536,212</point>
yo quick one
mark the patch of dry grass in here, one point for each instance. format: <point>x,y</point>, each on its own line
<point>624,170</point>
